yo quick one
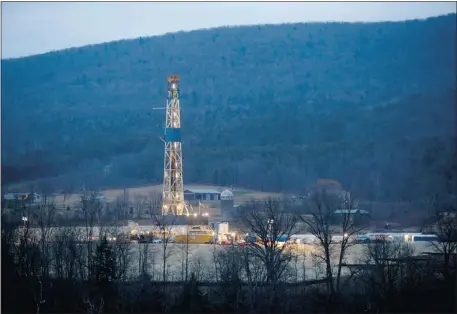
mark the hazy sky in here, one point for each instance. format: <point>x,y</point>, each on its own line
<point>32,27</point>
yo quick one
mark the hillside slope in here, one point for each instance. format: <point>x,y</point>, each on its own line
<point>266,107</point>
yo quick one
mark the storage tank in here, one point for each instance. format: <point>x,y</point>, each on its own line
<point>219,227</point>
<point>226,203</point>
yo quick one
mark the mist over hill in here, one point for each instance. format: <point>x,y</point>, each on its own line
<point>269,107</point>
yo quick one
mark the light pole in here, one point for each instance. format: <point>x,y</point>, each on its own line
<point>24,221</point>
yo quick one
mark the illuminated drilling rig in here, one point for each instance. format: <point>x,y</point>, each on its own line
<point>173,190</point>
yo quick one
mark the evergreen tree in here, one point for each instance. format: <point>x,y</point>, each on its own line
<point>104,262</point>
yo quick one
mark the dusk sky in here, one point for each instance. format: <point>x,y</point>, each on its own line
<point>31,27</point>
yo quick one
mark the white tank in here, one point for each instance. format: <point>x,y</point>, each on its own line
<point>220,227</point>
<point>226,195</point>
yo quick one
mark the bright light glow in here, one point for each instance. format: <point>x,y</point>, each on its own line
<point>345,235</point>
<point>24,219</point>
<point>195,214</point>
<point>173,86</point>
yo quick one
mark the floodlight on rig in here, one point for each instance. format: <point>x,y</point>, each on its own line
<point>173,189</point>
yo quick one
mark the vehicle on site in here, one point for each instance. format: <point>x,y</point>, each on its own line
<point>199,234</point>
<point>123,238</point>
<point>243,243</point>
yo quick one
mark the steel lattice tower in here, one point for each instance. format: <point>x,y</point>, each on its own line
<point>173,190</point>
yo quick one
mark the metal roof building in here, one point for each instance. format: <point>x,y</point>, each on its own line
<point>202,195</point>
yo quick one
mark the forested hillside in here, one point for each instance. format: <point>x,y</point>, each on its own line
<point>267,107</point>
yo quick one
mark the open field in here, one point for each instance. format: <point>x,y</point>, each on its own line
<point>240,195</point>
<point>201,260</point>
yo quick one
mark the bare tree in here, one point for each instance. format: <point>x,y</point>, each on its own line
<point>46,216</point>
<point>123,255</point>
<point>376,178</point>
<point>38,295</point>
<point>271,224</point>
<point>143,260</point>
<point>65,253</point>
<point>165,225</point>
<point>185,256</point>
<point>67,191</point>
<point>444,223</point>
<point>94,306</point>
<point>350,227</point>
<point>327,227</point>
<point>319,224</point>
<point>138,201</point>
<point>383,270</point>
<point>91,208</point>
<point>229,272</point>
<point>154,203</point>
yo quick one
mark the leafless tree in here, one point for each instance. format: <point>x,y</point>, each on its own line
<point>30,259</point>
<point>126,195</point>
<point>94,306</point>
<point>444,223</point>
<point>197,268</point>
<point>67,191</point>
<point>319,224</point>
<point>138,202</point>
<point>229,267</point>
<point>38,295</point>
<point>91,208</point>
<point>165,225</point>
<point>64,253</point>
<point>119,208</point>
<point>154,203</point>
<point>376,178</point>
<point>143,260</point>
<point>184,246</point>
<point>123,253</point>
<point>350,227</point>
<point>46,216</point>
<point>270,223</point>
<point>383,269</point>
<point>326,227</point>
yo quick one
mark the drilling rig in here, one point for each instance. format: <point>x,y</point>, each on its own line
<point>173,189</point>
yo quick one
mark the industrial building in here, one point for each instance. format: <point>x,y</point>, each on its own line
<point>33,198</point>
<point>226,203</point>
<point>358,216</point>
<point>202,195</point>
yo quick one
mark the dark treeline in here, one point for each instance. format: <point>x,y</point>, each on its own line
<point>55,271</point>
<point>265,107</point>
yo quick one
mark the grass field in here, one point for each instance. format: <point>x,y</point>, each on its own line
<point>240,195</point>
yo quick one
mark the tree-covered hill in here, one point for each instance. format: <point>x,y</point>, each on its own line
<point>268,107</point>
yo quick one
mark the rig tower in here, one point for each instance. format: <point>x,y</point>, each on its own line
<point>173,190</point>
